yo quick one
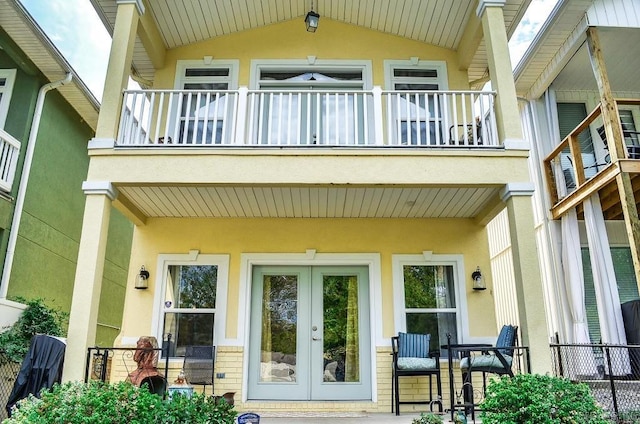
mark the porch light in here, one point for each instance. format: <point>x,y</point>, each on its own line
<point>478,280</point>
<point>312,19</point>
<point>142,279</point>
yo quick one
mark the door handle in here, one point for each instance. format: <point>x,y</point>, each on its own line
<point>315,338</point>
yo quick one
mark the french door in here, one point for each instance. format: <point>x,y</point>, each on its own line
<point>309,335</point>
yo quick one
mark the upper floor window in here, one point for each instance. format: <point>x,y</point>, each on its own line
<point>206,108</point>
<point>7,78</point>
<point>418,113</point>
<point>428,298</point>
<point>191,305</point>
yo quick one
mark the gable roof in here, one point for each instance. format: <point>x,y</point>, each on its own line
<point>438,22</point>
<point>23,30</point>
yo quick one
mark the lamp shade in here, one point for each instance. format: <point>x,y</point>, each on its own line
<point>478,280</point>
<point>312,19</point>
<point>142,279</point>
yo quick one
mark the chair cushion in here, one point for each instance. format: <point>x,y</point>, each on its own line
<point>485,362</point>
<point>416,364</point>
<point>412,345</point>
<point>506,338</point>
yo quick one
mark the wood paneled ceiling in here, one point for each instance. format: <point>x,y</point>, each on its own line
<point>308,202</point>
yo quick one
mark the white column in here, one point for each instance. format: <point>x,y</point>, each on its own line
<point>526,268</point>
<point>88,280</point>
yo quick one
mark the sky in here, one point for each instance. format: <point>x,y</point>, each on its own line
<point>76,30</point>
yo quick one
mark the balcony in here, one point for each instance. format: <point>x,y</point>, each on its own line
<point>581,166</point>
<point>305,118</point>
<point>9,152</point>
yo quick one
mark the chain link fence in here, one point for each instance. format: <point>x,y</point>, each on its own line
<point>612,372</point>
<point>8,374</point>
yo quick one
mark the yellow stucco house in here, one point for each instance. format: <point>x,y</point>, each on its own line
<point>301,196</point>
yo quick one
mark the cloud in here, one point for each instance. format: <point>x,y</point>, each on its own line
<point>75,29</point>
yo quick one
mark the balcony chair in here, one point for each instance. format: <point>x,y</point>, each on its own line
<point>468,128</point>
<point>631,137</point>
<point>198,365</point>
<point>156,384</point>
<point>489,360</point>
<point>412,358</point>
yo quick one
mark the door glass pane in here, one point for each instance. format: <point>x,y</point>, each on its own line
<point>279,328</point>
<point>341,333</point>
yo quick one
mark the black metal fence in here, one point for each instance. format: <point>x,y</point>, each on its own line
<point>8,374</point>
<point>612,372</point>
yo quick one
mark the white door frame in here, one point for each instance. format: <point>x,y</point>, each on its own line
<point>310,258</point>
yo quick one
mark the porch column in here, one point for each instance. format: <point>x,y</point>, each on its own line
<point>615,143</point>
<point>88,280</point>
<point>495,36</point>
<point>526,269</point>
<point>119,68</point>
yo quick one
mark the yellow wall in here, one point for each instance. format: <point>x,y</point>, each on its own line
<point>333,40</point>
<point>237,236</point>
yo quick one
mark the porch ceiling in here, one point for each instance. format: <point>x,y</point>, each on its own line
<point>307,201</point>
<point>437,22</point>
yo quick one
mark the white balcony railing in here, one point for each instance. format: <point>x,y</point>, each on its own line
<point>308,118</point>
<point>9,152</point>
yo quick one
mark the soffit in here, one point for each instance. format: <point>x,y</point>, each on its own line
<point>308,202</point>
<point>40,50</point>
<point>436,22</point>
<point>559,55</point>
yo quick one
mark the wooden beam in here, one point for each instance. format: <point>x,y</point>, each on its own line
<point>617,148</point>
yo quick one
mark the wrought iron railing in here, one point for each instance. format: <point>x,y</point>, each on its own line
<point>171,118</point>
<point>8,374</point>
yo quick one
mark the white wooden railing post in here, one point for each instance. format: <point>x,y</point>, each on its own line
<point>377,116</point>
<point>241,116</point>
<point>10,150</point>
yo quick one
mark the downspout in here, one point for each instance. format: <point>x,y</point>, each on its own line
<point>24,179</point>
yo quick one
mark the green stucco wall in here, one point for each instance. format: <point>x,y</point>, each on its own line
<point>47,247</point>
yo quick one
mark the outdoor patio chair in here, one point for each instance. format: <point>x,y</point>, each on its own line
<point>496,359</point>
<point>412,358</point>
<point>198,365</point>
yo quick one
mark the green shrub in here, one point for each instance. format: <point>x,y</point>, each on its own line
<point>530,398</point>
<point>119,403</point>
<point>37,318</point>
<point>428,418</point>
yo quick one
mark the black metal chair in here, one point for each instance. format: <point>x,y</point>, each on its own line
<point>156,384</point>
<point>498,360</point>
<point>199,364</point>
<point>412,358</point>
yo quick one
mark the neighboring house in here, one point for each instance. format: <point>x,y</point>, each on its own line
<point>580,81</point>
<point>300,197</point>
<point>47,115</point>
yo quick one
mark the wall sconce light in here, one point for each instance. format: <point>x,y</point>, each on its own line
<point>142,279</point>
<point>312,19</point>
<point>478,280</point>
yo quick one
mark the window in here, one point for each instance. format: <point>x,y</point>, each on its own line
<point>193,296</point>
<point>625,277</point>
<point>416,110</point>
<point>204,110</point>
<point>428,298</point>
<point>7,78</point>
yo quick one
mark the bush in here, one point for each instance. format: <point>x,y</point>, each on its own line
<point>530,398</point>
<point>429,418</point>
<point>37,318</point>
<point>120,403</point>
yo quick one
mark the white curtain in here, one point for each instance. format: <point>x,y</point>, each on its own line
<point>605,284</point>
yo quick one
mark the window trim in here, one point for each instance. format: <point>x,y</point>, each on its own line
<point>232,64</point>
<point>439,65</point>
<point>398,262</point>
<point>193,258</point>
<point>309,65</point>
<point>7,91</point>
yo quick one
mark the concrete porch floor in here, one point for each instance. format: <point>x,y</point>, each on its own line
<point>371,418</point>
